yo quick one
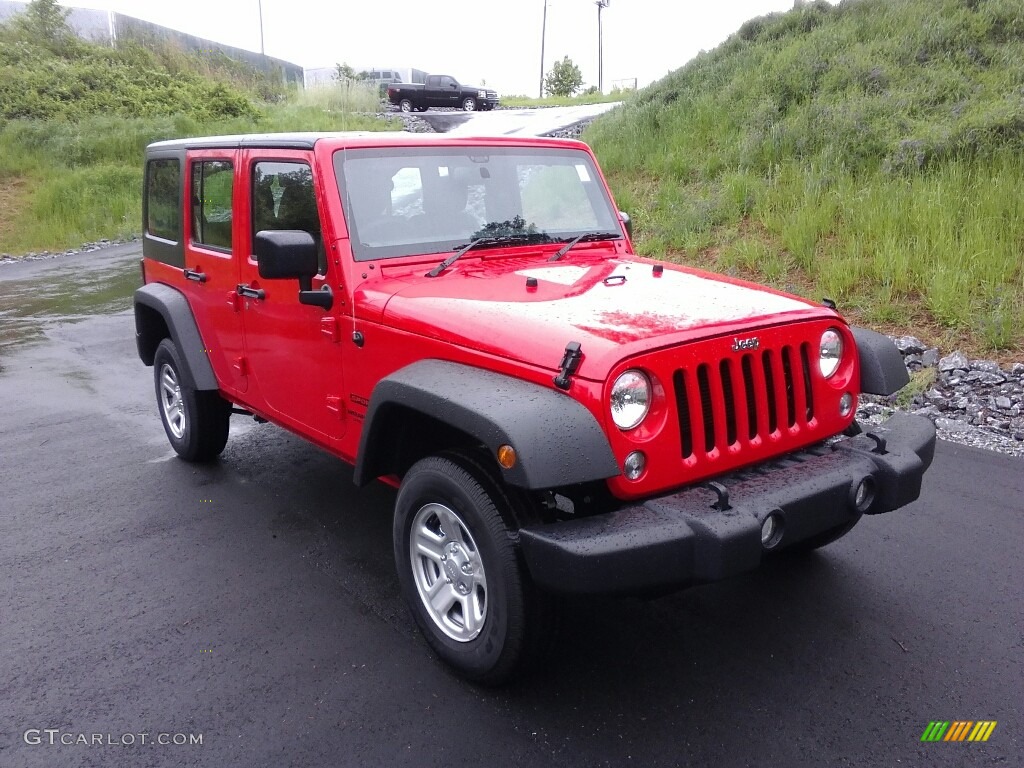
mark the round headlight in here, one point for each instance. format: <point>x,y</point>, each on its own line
<point>631,399</point>
<point>830,352</point>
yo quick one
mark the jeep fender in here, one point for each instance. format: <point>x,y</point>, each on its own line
<point>177,316</point>
<point>558,442</point>
<point>882,371</point>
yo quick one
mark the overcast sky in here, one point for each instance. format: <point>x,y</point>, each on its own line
<point>474,40</point>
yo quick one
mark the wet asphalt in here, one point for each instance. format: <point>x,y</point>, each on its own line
<point>253,603</point>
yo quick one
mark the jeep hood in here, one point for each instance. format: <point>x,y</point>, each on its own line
<point>613,308</point>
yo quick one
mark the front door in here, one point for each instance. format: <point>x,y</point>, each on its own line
<point>293,351</point>
<point>451,93</point>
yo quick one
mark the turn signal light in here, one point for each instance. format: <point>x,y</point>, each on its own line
<point>507,456</point>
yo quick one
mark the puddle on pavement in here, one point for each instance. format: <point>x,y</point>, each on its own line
<point>28,307</point>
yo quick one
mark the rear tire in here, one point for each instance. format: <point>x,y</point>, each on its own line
<point>405,105</point>
<point>461,572</point>
<point>196,422</point>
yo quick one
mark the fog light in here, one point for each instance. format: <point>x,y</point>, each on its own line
<point>864,494</point>
<point>845,404</point>
<point>771,530</point>
<point>634,465</point>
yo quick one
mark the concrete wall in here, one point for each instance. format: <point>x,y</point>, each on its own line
<point>104,27</point>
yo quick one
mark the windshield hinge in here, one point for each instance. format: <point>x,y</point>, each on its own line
<point>570,362</point>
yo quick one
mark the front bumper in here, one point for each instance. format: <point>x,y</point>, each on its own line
<point>713,531</point>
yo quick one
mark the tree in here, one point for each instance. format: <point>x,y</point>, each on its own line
<point>47,21</point>
<point>343,72</point>
<point>564,79</point>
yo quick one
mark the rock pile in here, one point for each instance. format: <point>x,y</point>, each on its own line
<point>976,402</point>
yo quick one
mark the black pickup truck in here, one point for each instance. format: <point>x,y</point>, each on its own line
<point>441,91</point>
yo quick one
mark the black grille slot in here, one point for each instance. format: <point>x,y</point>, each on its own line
<point>704,385</point>
<point>683,408</point>
<point>732,400</point>
<point>725,369</point>
<point>805,360</point>
<point>748,385</point>
<point>787,374</point>
<point>769,386</point>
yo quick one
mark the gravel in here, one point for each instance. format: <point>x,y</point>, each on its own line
<point>972,402</point>
<point>6,258</point>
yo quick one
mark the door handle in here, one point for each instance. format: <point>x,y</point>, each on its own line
<point>196,277</point>
<point>251,293</point>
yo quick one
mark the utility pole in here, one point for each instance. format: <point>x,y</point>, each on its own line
<point>601,5</point>
<point>543,34</point>
<point>262,51</point>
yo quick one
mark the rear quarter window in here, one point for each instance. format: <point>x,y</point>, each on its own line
<point>163,199</point>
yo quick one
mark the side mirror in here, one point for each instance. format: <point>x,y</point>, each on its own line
<point>285,254</point>
<point>624,218</point>
<point>289,254</point>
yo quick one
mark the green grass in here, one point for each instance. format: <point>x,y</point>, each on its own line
<point>340,98</point>
<point>871,151</point>
<point>75,118</point>
<point>564,101</point>
<point>84,179</point>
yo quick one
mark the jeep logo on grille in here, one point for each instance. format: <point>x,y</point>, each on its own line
<point>740,345</point>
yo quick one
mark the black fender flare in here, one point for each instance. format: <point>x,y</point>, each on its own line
<point>173,307</point>
<point>882,371</point>
<point>558,442</point>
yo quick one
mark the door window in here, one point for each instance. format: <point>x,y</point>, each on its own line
<point>283,198</point>
<point>211,203</point>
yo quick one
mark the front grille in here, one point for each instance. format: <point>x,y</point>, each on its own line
<point>743,399</point>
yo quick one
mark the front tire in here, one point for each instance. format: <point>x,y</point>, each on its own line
<point>196,422</point>
<point>461,573</point>
<point>469,104</point>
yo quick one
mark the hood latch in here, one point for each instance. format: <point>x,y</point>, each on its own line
<point>570,362</point>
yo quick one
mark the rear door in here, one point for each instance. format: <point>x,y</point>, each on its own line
<point>211,267</point>
<point>292,350</point>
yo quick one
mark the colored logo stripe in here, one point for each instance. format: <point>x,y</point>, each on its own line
<point>982,730</point>
<point>958,730</point>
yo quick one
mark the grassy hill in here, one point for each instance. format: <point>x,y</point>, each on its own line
<point>871,151</point>
<point>76,116</point>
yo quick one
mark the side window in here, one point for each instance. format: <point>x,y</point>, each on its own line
<point>283,198</point>
<point>163,199</point>
<point>211,203</point>
<point>447,82</point>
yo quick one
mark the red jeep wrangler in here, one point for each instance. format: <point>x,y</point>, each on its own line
<point>466,320</point>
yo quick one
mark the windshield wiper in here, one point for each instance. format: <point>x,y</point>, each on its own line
<point>526,237</point>
<point>586,236</point>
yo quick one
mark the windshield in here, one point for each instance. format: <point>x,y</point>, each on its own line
<point>425,200</point>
